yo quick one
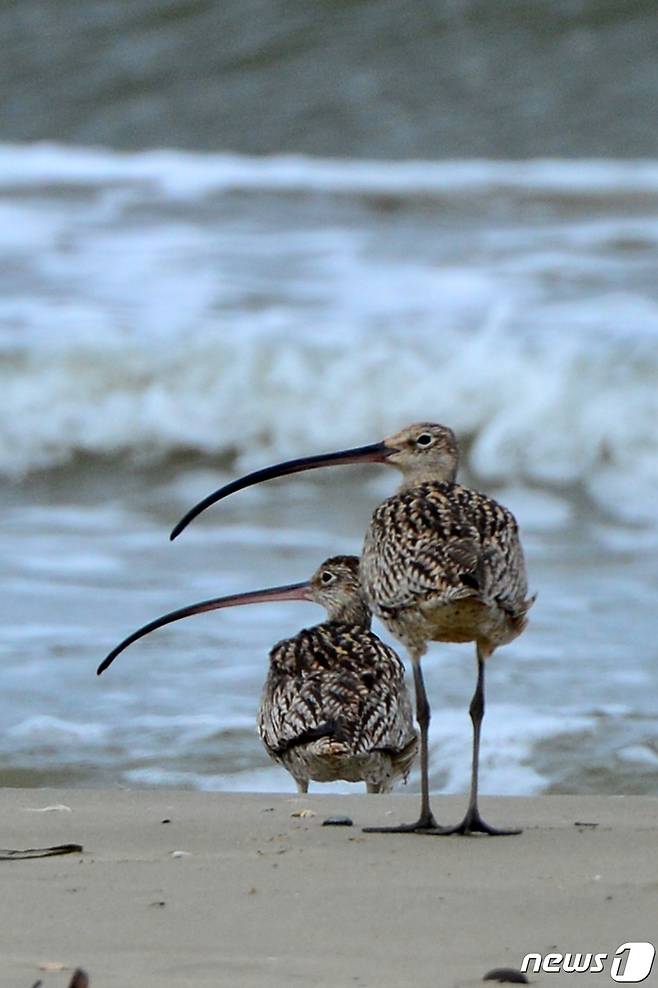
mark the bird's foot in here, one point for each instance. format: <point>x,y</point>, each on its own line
<point>425,824</point>
<point>471,824</point>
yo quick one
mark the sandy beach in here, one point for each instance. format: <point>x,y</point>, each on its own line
<point>241,890</point>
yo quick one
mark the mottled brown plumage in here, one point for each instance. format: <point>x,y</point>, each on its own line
<point>444,563</point>
<point>334,705</point>
<point>440,562</point>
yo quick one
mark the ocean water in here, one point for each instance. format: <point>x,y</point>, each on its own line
<point>170,319</point>
<point>433,79</point>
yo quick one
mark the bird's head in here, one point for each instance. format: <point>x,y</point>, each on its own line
<point>335,586</point>
<point>423,451</point>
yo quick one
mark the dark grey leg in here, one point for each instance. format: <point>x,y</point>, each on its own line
<point>473,822</point>
<point>426,822</point>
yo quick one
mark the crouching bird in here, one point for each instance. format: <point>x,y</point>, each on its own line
<point>334,704</point>
<point>440,562</point>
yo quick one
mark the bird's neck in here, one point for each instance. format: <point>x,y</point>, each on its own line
<point>354,611</point>
<point>414,478</point>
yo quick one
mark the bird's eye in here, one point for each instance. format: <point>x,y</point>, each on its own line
<point>424,439</point>
<point>327,577</point>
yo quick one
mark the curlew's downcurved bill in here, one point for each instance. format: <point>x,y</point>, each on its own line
<point>334,704</point>
<point>291,591</point>
<point>375,453</point>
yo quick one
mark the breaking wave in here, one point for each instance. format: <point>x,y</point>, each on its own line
<point>164,302</point>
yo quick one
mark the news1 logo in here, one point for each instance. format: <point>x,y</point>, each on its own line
<point>630,964</point>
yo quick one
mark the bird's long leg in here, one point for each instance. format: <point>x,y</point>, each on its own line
<point>473,822</point>
<point>426,822</point>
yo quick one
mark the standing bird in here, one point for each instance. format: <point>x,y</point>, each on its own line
<point>334,704</point>
<point>440,562</point>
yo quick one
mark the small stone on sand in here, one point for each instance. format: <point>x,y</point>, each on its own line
<point>506,975</point>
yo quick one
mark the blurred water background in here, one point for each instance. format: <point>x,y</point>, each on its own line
<point>232,233</point>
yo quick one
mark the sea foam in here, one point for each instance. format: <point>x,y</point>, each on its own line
<point>166,302</point>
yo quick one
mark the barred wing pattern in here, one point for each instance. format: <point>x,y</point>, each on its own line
<point>444,542</point>
<point>340,680</point>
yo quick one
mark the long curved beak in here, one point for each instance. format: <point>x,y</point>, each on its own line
<point>375,453</point>
<point>292,591</point>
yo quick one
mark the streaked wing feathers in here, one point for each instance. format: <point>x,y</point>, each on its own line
<point>446,542</point>
<point>340,675</point>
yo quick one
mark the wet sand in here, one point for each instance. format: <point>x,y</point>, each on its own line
<point>260,896</point>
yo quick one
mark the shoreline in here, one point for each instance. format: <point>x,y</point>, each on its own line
<point>259,895</point>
